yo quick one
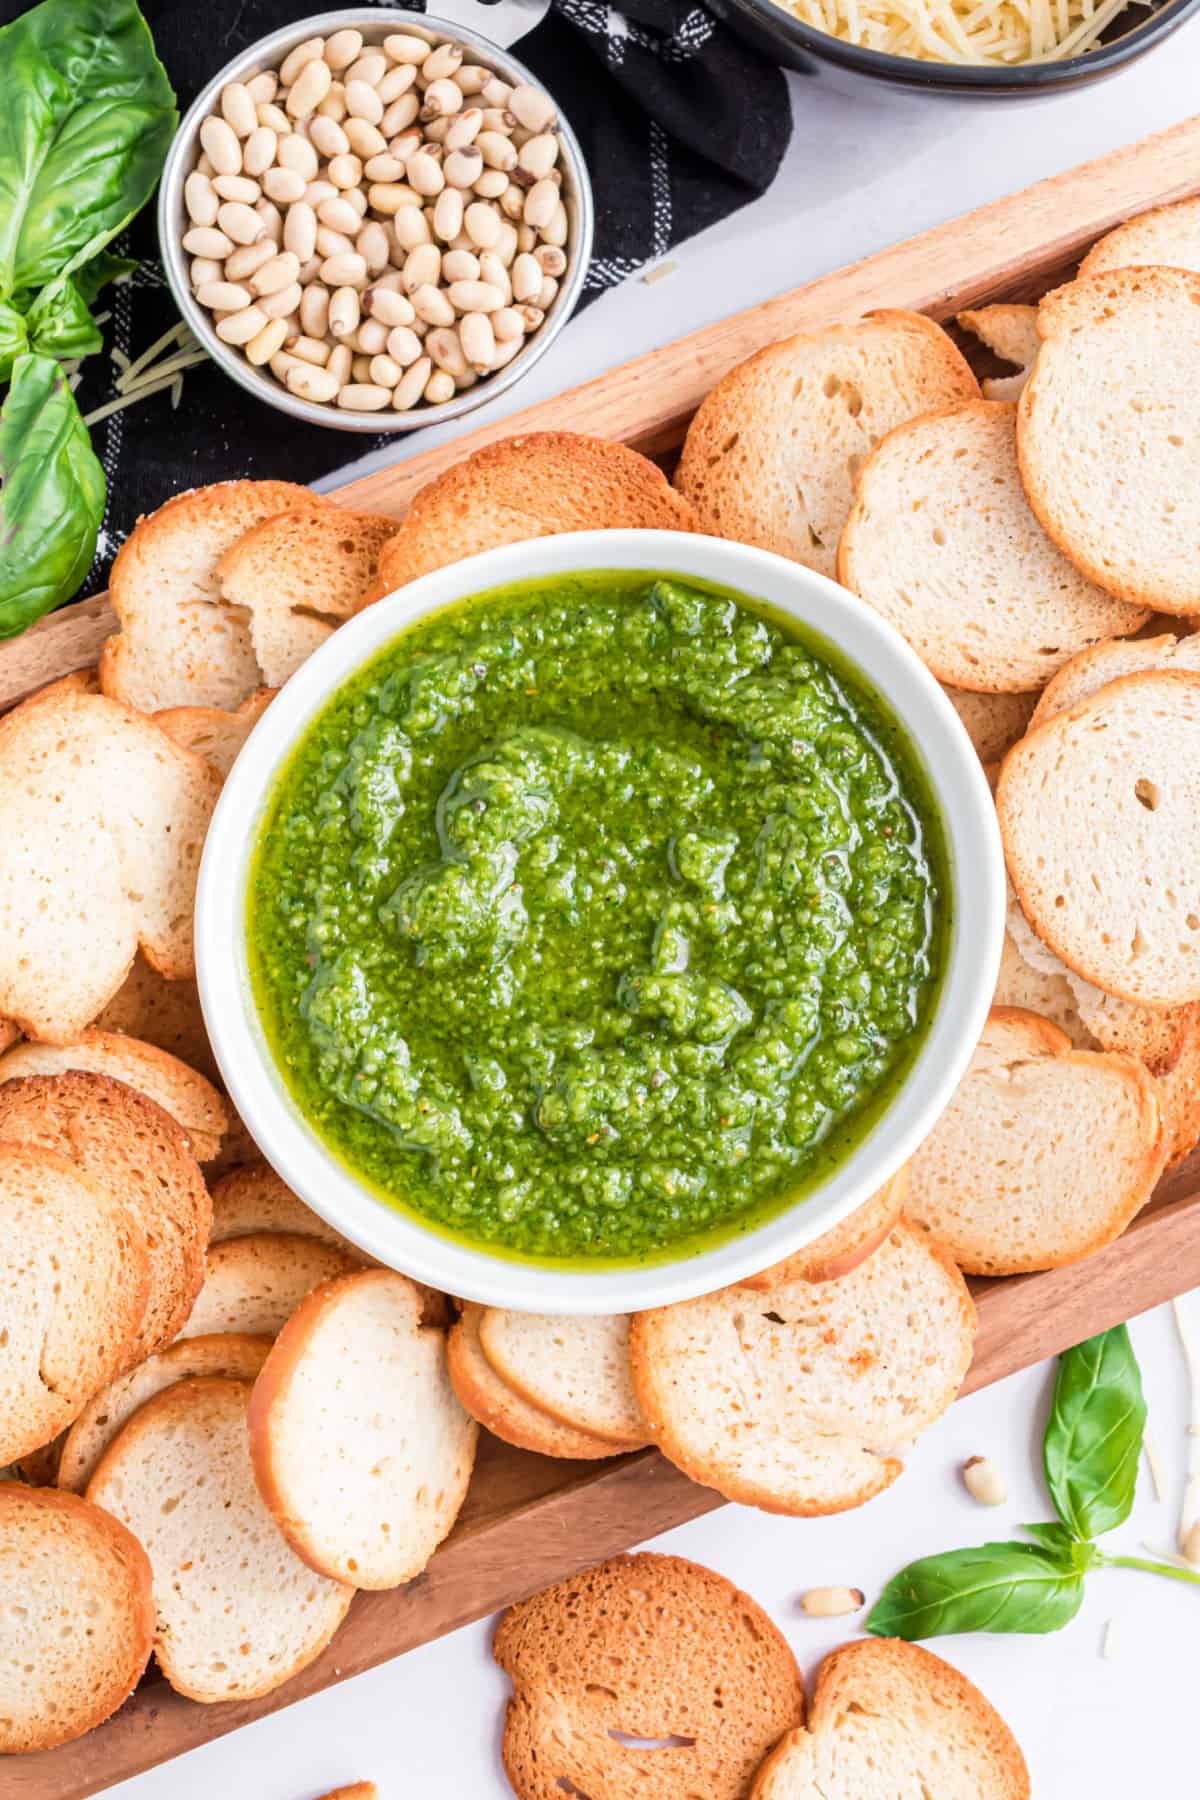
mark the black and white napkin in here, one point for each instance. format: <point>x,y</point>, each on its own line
<point>680,124</point>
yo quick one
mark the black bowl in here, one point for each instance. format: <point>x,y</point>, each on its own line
<point>786,40</point>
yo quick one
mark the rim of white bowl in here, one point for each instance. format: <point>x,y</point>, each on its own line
<point>396,1237</point>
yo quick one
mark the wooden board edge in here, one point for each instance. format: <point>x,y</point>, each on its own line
<point>648,402</point>
<point>1022,1321</point>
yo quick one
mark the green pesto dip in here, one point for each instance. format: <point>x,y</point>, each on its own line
<point>597,918</point>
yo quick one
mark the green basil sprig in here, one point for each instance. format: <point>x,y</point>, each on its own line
<point>1092,1444</point>
<point>86,117</point>
<point>51,494</point>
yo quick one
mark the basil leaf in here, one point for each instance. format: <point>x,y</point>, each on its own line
<point>100,271</point>
<point>1094,1434</point>
<point>85,123</point>
<point>59,323</point>
<point>51,494</point>
<point>1054,1537</point>
<point>14,338</point>
<point>995,1587</point>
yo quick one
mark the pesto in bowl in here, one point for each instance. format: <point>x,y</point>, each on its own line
<point>597,918</point>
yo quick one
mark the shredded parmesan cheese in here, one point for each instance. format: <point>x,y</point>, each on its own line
<point>1158,1480</point>
<point>139,379</point>
<point>980,32</point>
<point>1108,1647</point>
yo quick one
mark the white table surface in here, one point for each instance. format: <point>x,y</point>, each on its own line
<point>860,174</point>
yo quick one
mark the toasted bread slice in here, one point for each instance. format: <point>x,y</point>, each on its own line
<point>771,456</point>
<point>1165,237</point>
<point>102,821</point>
<point>238,1613</point>
<point>1093,669</point>
<point>217,736</point>
<point>941,542</point>
<point>73,1286</point>
<point>835,1253</point>
<point>504,1412</point>
<point>1105,432</point>
<point>126,1144</point>
<point>888,1718</point>
<point>993,722</point>
<point>1099,812</point>
<point>255,1283</point>
<point>178,644</point>
<point>10,1034</point>
<point>642,1647</point>
<point>76,1617</point>
<point>360,1448</point>
<point>1031,987</point>
<point>1011,332</point>
<point>1044,1154</point>
<point>782,1399</point>
<point>357,1790</point>
<point>298,575</point>
<point>191,1101</point>
<point>237,1356</point>
<point>253,1198</point>
<point>576,1369</point>
<point>527,487</point>
<point>238,1148</point>
<point>162,1012</point>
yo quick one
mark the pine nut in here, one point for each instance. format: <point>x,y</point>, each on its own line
<point>406,47</point>
<point>533,316</point>
<point>539,155</point>
<point>203,269</point>
<point>409,390</point>
<point>274,118</point>
<point>410,227</point>
<point>439,388</point>
<point>295,152</point>
<point>239,327</point>
<point>548,294</point>
<point>239,222</point>
<point>478,340</point>
<point>360,369</point>
<point>526,277</point>
<point>362,102</point>
<point>448,214</point>
<point>248,259</point>
<point>446,59</point>
<point>262,348</point>
<point>342,48</point>
<point>284,185</point>
<point>300,230</point>
<point>403,345</point>
<point>364,396</point>
<point>491,184</point>
<point>384,168</point>
<point>464,129</point>
<point>512,204</point>
<point>442,98</point>
<point>372,245</point>
<point>344,312</point>
<point>259,150</point>
<point>365,139</point>
<point>221,146</point>
<point>283,304</point>
<point>311,86</point>
<point>272,218</point>
<point>314,310</point>
<point>497,151</point>
<point>370,67</point>
<point>444,345</point>
<point>328,137</point>
<point>345,171</point>
<point>399,116</point>
<point>831,1602</point>
<point>309,350</point>
<point>507,323</point>
<point>432,305</point>
<point>333,106</point>
<point>496,92</point>
<point>424,174</point>
<point>550,259</point>
<point>497,118</point>
<point>422,266</point>
<point>200,198</point>
<point>481,222</point>
<point>473,296</point>
<point>237,187</point>
<point>493,272</point>
<point>557,231</point>
<point>299,59</point>
<point>277,274</point>
<point>263,88</point>
<point>984,1482</point>
<point>472,79</point>
<point>532,108</point>
<point>526,238</point>
<point>540,204</point>
<point>237,108</point>
<point>333,243</point>
<point>462,168</point>
<point>347,270</point>
<point>340,358</point>
<point>504,354</point>
<point>224,296</point>
<point>1190,1544</point>
<point>312,384</point>
<point>206,240</point>
<point>390,308</point>
<point>384,372</point>
<point>339,215</point>
<point>460,265</point>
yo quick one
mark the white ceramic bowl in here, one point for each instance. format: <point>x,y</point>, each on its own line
<point>397,1238</point>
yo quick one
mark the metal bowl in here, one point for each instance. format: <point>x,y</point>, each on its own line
<point>375,23</point>
<point>785,39</point>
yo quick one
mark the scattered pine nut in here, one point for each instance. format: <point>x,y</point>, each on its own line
<point>831,1602</point>
<point>984,1482</point>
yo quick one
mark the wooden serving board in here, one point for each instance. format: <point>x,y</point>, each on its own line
<point>528,1520</point>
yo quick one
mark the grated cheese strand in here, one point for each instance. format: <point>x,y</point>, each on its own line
<point>1190,1510</point>
<point>968,32</point>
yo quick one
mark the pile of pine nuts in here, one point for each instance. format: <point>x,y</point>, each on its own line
<point>380,226</point>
